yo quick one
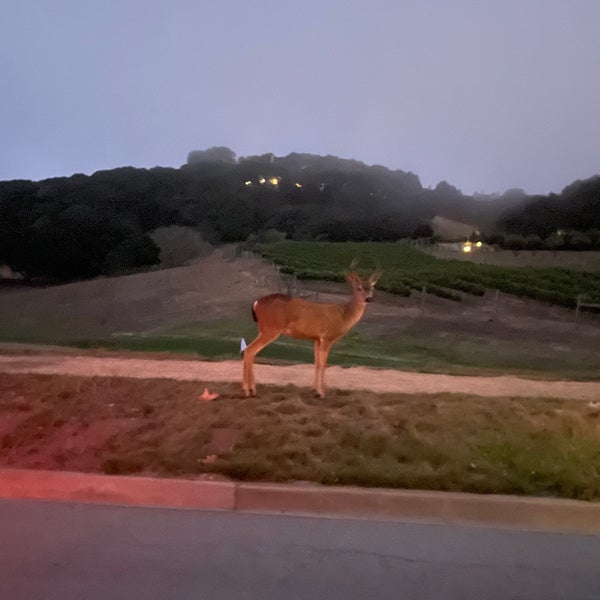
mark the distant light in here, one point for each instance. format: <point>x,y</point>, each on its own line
<point>298,185</point>
<point>274,180</point>
<point>262,180</point>
<point>467,247</point>
<point>248,183</point>
<point>479,244</point>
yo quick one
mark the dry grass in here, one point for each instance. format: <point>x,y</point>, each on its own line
<point>443,442</point>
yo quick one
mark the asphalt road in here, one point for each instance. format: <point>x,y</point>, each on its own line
<point>68,551</point>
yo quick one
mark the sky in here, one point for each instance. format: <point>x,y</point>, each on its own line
<point>487,95</point>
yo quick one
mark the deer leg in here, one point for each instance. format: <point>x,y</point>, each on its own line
<point>263,339</point>
<point>317,365</point>
<point>321,363</point>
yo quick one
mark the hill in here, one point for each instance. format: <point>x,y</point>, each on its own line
<point>79,227</point>
<point>576,208</point>
<point>204,309</point>
<point>210,288</point>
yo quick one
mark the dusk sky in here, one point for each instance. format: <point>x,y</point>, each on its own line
<point>485,94</point>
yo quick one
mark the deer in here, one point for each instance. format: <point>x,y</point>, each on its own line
<point>324,323</point>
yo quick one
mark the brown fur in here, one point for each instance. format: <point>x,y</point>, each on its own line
<point>324,323</point>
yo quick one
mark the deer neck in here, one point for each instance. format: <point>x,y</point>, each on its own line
<point>354,310</point>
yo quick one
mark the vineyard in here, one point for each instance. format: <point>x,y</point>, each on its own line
<point>405,268</point>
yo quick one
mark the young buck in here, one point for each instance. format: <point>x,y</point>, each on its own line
<point>298,318</point>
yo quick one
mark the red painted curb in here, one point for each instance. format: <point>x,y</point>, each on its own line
<point>86,487</point>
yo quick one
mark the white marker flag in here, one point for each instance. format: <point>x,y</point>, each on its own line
<point>242,345</point>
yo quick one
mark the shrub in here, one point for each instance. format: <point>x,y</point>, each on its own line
<point>514,242</point>
<point>579,241</point>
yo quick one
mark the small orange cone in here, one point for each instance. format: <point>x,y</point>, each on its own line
<point>206,396</point>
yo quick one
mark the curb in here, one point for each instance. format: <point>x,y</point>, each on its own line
<point>108,489</point>
<point>510,512</point>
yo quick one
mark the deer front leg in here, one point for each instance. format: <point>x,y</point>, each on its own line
<point>322,348</point>
<point>248,377</point>
<point>248,383</point>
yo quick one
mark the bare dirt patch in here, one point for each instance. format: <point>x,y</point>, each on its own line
<point>355,378</point>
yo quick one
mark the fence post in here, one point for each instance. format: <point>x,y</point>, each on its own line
<point>279,281</point>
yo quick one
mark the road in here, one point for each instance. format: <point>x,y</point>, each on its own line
<point>71,551</point>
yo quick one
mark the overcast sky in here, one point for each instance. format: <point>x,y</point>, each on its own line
<point>485,94</point>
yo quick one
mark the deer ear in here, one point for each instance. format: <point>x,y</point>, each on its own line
<point>351,277</point>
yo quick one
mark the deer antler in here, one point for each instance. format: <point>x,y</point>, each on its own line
<point>351,274</point>
<point>377,273</point>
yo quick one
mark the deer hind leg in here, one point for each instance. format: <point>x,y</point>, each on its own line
<point>322,348</point>
<point>262,340</point>
<point>317,365</point>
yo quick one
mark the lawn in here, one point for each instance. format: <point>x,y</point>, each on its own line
<point>416,348</point>
<point>453,442</point>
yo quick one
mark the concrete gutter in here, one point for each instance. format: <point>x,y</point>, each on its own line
<point>512,512</point>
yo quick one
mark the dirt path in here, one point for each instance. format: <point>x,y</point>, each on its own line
<point>377,380</point>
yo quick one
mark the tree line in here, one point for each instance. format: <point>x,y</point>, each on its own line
<point>77,227</point>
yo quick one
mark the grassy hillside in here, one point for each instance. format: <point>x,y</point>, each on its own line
<point>204,310</point>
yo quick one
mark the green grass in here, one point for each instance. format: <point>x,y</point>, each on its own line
<point>413,350</point>
<point>456,442</point>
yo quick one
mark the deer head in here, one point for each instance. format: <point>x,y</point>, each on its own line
<point>363,288</point>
